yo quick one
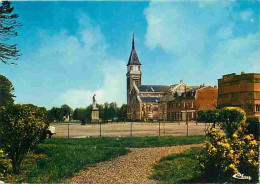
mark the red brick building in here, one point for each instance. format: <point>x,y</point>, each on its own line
<point>240,91</point>
<point>190,101</point>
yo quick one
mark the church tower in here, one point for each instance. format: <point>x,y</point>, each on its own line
<point>133,71</point>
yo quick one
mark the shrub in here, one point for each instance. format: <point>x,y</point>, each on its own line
<point>21,129</point>
<point>253,126</point>
<point>232,119</point>
<point>222,157</point>
<point>5,166</point>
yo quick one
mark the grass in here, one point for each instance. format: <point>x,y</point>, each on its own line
<point>57,159</point>
<point>178,168</point>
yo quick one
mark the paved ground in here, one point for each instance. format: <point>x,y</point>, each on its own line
<point>124,129</point>
<point>135,167</point>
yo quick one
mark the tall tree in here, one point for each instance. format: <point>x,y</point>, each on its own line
<point>8,25</point>
<point>66,111</point>
<point>6,91</point>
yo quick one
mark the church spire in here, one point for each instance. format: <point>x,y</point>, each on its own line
<point>133,59</point>
<point>133,42</point>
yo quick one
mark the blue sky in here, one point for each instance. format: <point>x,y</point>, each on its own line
<point>71,50</point>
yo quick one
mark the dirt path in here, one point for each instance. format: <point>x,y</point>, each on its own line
<point>134,167</point>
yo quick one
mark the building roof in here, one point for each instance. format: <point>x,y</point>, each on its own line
<point>150,99</point>
<point>133,59</point>
<point>152,88</point>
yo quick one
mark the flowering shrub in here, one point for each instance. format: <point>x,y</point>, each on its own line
<point>230,151</point>
<point>21,129</point>
<point>5,166</point>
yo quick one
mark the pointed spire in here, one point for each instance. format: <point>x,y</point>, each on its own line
<point>133,42</point>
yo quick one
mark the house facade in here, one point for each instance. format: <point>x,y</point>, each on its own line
<point>240,91</point>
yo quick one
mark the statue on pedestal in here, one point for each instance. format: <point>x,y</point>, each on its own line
<point>95,112</point>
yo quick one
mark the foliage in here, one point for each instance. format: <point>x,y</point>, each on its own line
<point>5,166</point>
<point>253,127</point>
<point>222,156</point>
<point>54,114</point>
<point>232,119</point>
<point>80,114</point>
<point>178,168</point>
<point>7,30</point>
<point>122,112</point>
<point>66,111</point>
<point>21,129</point>
<point>6,91</point>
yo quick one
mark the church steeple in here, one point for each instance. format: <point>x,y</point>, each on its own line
<point>133,42</point>
<point>133,59</point>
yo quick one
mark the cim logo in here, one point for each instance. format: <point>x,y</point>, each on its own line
<point>241,176</point>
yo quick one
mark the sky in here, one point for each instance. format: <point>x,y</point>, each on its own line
<point>72,50</point>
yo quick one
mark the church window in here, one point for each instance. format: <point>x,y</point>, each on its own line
<point>138,68</point>
<point>131,67</point>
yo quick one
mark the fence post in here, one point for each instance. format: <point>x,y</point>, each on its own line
<point>159,128</point>
<point>68,130</point>
<point>131,128</point>
<point>99,128</point>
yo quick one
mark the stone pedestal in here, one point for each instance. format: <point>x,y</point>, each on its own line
<point>95,114</point>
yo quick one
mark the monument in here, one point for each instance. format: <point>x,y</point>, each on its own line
<point>95,112</point>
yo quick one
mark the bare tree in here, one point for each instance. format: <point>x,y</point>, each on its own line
<point>8,25</point>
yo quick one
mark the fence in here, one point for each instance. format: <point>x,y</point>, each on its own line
<point>130,129</point>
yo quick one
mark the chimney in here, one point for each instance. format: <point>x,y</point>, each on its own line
<point>242,73</point>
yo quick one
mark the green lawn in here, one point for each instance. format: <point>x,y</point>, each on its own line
<point>178,168</point>
<point>59,158</point>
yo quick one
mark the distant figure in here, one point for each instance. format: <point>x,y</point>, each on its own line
<point>94,100</point>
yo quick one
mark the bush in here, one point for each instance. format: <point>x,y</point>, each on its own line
<point>232,119</point>
<point>222,157</point>
<point>253,126</point>
<point>21,129</point>
<point>225,154</point>
<point>5,166</point>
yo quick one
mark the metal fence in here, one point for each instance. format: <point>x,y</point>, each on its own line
<point>130,129</point>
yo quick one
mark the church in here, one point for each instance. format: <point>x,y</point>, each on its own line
<point>153,102</point>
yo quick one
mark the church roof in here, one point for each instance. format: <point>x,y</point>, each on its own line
<point>152,88</point>
<point>133,59</point>
<point>150,99</point>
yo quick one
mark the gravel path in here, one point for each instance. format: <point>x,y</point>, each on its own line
<point>135,167</point>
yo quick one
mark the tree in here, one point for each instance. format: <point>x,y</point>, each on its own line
<point>80,114</point>
<point>122,113</point>
<point>21,129</point>
<point>66,111</point>
<point>8,25</point>
<point>6,91</point>
<point>54,114</point>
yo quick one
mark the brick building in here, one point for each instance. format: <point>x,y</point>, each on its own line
<point>190,101</point>
<point>240,91</point>
<point>156,102</point>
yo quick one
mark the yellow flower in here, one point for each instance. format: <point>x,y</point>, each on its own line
<point>231,151</point>
<point>218,143</point>
<point>198,157</point>
<point>252,152</point>
<point>222,134</point>
<point>254,142</point>
<point>226,145</point>
<point>214,130</point>
<point>214,149</point>
<point>247,137</point>
<point>232,166</point>
<point>1,151</point>
<point>234,135</point>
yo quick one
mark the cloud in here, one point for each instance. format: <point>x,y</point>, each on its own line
<point>203,39</point>
<point>113,90</point>
<point>246,15</point>
<point>74,66</point>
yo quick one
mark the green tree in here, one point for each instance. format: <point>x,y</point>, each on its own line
<point>80,114</point>
<point>8,25</point>
<point>21,129</point>
<point>6,91</point>
<point>88,113</point>
<point>66,111</point>
<point>54,114</point>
